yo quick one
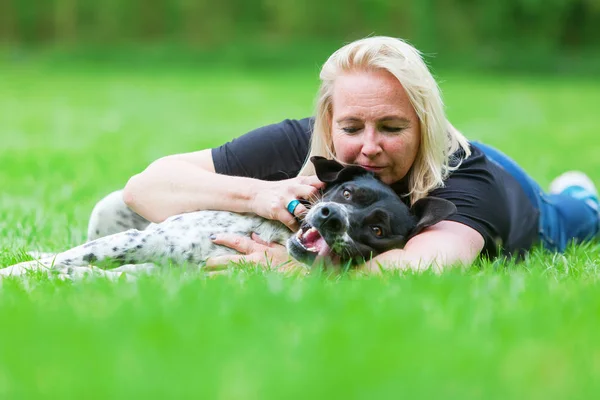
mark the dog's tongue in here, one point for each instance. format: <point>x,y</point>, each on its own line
<point>313,239</point>
<point>322,247</point>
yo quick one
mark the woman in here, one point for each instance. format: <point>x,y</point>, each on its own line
<point>379,107</point>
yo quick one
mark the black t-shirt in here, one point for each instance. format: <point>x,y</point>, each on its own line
<point>488,199</point>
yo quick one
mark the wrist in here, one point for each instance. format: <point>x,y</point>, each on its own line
<point>251,195</point>
<point>242,195</point>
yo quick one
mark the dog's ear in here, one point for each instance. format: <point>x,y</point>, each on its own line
<point>429,211</point>
<point>330,171</point>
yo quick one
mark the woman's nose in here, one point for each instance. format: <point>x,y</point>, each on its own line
<point>371,146</point>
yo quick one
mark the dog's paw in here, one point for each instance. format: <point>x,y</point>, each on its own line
<point>23,268</point>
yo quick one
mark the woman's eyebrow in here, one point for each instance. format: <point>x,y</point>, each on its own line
<point>348,119</point>
<point>383,119</point>
<point>394,118</point>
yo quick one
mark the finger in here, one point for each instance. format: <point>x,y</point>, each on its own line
<point>242,244</point>
<point>306,192</point>
<point>259,240</point>
<point>300,211</point>
<point>258,259</point>
<point>289,220</point>
<point>216,272</point>
<point>299,208</point>
<point>312,180</point>
<point>221,262</point>
<point>292,268</point>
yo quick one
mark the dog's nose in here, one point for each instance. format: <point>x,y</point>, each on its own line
<point>329,218</point>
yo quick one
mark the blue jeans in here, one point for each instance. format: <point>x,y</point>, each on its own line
<point>562,218</point>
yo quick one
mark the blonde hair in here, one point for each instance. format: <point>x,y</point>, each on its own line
<point>439,139</point>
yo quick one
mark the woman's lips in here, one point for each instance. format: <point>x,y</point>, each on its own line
<point>372,168</point>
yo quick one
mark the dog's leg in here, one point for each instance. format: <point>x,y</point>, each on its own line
<point>125,247</point>
<point>46,267</point>
<point>130,272</point>
<point>111,215</point>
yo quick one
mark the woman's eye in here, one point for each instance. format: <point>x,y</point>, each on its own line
<point>377,231</point>
<point>346,193</point>
<point>391,129</point>
<point>350,130</point>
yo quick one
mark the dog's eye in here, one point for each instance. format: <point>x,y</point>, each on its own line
<point>346,193</point>
<point>377,231</point>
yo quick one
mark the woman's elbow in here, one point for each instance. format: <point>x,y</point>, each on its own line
<point>131,193</point>
<point>133,197</point>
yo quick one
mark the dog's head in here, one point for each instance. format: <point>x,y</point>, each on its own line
<point>359,217</point>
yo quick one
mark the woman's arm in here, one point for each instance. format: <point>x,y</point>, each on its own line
<point>188,182</point>
<point>441,245</point>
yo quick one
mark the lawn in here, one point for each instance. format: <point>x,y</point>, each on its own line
<point>70,134</point>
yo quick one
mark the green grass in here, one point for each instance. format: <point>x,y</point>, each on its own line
<point>69,135</point>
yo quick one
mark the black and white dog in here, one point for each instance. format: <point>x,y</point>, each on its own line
<point>358,217</point>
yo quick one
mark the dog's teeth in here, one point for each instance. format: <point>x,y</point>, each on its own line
<point>308,232</point>
<point>300,243</point>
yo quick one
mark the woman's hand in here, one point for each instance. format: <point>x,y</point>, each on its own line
<point>270,199</point>
<point>253,250</point>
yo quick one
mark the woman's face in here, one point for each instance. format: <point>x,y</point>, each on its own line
<point>374,125</point>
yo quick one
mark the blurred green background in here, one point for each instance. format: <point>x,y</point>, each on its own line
<point>531,35</point>
<point>91,92</point>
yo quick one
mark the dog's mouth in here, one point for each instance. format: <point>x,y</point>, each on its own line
<point>309,246</point>
<point>311,241</point>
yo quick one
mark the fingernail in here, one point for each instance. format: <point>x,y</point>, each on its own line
<point>212,237</point>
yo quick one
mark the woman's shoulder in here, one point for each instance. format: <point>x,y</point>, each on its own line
<point>473,173</point>
<point>459,160</point>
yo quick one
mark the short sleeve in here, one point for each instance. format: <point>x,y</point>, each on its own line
<point>273,152</point>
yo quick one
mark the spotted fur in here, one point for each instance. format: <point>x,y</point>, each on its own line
<point>119,235</point>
